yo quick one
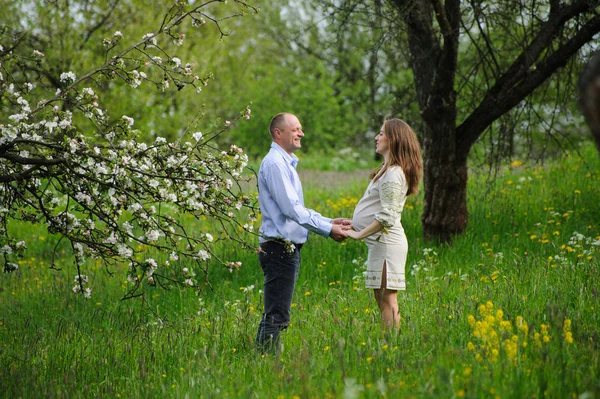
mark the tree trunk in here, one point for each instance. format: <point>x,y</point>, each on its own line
<point>445,183</point>
<point>445,171</point>
<point>589,91</point>
<point>433,61</point>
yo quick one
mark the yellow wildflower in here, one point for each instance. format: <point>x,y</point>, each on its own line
<point>471,320</point>
<point>569,337</point>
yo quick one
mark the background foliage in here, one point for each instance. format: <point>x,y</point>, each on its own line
<point>342,76</point>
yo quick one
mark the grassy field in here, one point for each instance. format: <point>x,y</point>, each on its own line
<point>509,310</point>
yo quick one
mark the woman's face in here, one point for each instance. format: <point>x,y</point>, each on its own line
<point>382,143</point>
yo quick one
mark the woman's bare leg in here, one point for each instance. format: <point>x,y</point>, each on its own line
<point>387,300</point>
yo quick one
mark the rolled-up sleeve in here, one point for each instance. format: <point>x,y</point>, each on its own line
<point>392,192</point>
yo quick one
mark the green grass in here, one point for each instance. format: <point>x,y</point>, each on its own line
<point>531,250</point>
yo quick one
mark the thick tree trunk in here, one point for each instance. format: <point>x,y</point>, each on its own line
<point>433,60</point>
<point>445,171</point>
<point>445,184</point>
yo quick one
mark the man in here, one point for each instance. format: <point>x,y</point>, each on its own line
<point>285,226</point>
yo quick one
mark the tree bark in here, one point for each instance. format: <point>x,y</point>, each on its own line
<point>589,92</point>
<point>434,62</point>
<point>445,183</point>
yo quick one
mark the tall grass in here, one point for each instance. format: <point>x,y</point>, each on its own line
<point>510,309</point>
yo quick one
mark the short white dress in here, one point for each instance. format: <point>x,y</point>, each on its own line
<point>384,201</point>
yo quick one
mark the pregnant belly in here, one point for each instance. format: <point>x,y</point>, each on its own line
<point>362,219</point>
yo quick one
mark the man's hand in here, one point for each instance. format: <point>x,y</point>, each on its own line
<point>338,233</point>
<point>342,221</point>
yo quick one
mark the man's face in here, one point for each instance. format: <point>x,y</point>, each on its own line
<point>290,134</point>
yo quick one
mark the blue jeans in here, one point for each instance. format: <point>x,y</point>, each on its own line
<point>280,269</point>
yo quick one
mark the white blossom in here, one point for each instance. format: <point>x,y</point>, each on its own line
<point>153,235</point>
<point>124,251</point>
<point>128,119</point>
<point>67,76</point>
<point>151,39</point>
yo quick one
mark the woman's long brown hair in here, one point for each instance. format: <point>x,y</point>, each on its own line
<point>405,151</point>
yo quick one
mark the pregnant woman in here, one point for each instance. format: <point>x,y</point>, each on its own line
<point>377,215</point>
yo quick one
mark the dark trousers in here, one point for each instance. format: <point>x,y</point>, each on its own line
<point>280,269</point>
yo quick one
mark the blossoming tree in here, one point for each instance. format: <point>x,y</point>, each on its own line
<point>95,184</point>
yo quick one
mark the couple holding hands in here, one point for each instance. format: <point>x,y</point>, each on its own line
<point>286,222</point>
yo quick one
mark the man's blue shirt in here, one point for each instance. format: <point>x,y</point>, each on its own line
<point>282,202</point>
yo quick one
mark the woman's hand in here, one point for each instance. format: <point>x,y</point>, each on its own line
<point>355,235</point>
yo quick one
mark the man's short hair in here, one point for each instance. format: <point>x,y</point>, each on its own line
<point>276,122</point>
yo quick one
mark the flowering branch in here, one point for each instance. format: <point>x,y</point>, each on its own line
<point>110,195</point>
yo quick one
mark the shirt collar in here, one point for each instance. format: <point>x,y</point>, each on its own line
<point>290,159</point>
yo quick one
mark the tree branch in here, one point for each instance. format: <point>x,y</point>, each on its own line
<point>524,76</point>
<point>94,28</point>
<point>32,161</point>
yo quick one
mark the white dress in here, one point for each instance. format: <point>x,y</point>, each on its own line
<point>384,201</point>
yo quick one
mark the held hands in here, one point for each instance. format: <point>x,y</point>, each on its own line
<point>338,232</point>
<point>342,221</point>
<point>347,229</point>
<point>340,227</point>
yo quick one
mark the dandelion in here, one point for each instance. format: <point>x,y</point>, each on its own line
<point>567,331</point>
